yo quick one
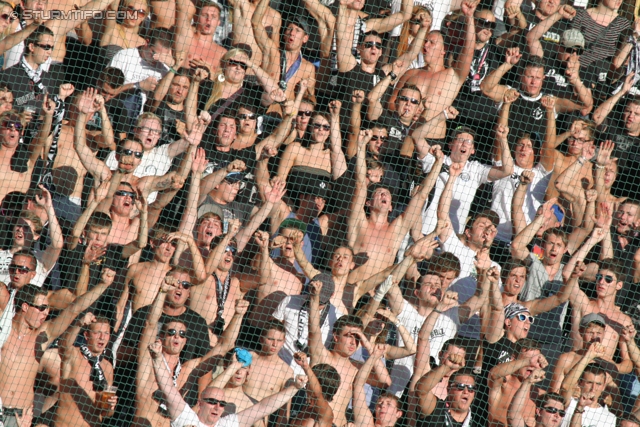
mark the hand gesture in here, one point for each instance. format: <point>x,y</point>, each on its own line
<point>548,102</point>
<point>277,96</point>
<point>597,235</point>
<point>482,261</point>
<point>511,10</point>
<point>363,138</point>
<point>510,96</point>
<point>513,55</point>
<point>539,360</point>
<point>92,254</point>
<point>436,151</point>
<point>48,106</point>
<point>451,114</point>
<point>591,196</point>
<point>604,154</point>
<point>379,350</point>
<point>455,170</point>
<point>87,319</point>
<point>199,163</point>
<point>242,305</point>
<point>443,225</point>
<point>44,198</point>
<point>493,275</point>
<point>261,238</point>
<point>572,70</point>
<point>502,132</point>
<point>588,151</point>
<point>567,12</point>
<point>301,381</point>
<point>455,361</point>
<point>149,84</point>
<point>547,211</point>
<point>397,66</point>
<point>86,102</point>
<point>276,192</point>
<point>596,350</point>
<point>200,74</point>
<point>449,300</point>
<point>166,58</point>
<point>425,20</point>
<point>302,360</point>
<point>234,227</point>
<point>357,96</point>
<point>334,108</point>
<point>168,284</point>
<point>278,242</point>
<point>314,289</point>
<point>536,376</point>
<point>107,276</point>
<point>141,201</point>
<point>236,166</point>
<point>469,7</point>
<point>628,81</point>
<point>387,314</point>
<point>579,270</point>
<point>526,177</point>
<point>65,90</point>
<point>155,349</point>
<point>423,248</point>
<point>628,333</point>
<point>586,399</point>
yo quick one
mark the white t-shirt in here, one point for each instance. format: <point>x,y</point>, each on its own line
<point>189,417</point>
<point>41,274</point>
<point>503,191</point>
<point>155,162</point>
<point>473,175</point>
<point>298,328</point>
<point>592,417</point>
<point>445,328</point>
<point>136,69</point>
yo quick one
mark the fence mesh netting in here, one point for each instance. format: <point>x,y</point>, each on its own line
<point>319,213</point>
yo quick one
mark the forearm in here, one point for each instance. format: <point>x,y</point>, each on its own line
<point>221,380</point>
<point>490,82</point>
<point>517,406</point>
<point>304,263</point>
<point>354,129</point>
<point>215,256</point>
<point>523,239</point>
<point>605,108</point>
<point>444,204</point>
<point>83,280</point>
<point>571,379</point>
<point>189,215</point>
<point>518,219</point>
<point>502,370</point>
<point>542,27</point>
<point>583,94</point>
<point>108,139</point>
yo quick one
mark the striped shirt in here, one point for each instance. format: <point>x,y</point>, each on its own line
<point>601,42</point>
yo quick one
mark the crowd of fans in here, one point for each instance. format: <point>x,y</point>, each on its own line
<point>264,213</point>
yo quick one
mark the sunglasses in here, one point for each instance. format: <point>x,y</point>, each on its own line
<point>46,47</point>
<point>378,138</point>
<point>237,64</point>
<point>460,386</point>
<point>370,45</point>
<point>553,410</point>
<point>138,11</point>
<point>40,308</point>
<point>485,24</point>
<point>211,401</point>
<point>246,116</point>
<point>8,17</point>
<point>522,317</point>
<point>407,99</point>
<point>12,124</point>
<point>172,243</point>
<point>608,279</point>
<point>321,126</point>
<point>20,269</point>
<point>124,193</point>
<point>576,49</point>
<point>174,332</point>
<point>185,285</point>
<point>127,152</point>
<point>305,113</point>
<point>231,249</point>
<point>415,21</point>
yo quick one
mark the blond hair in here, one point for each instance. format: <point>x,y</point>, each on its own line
<point>403,40</point>
<point>216,92</point>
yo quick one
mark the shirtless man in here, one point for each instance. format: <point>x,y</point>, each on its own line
<point>505,380</point>
<point>268,23</point>
<point>374,235</point>
<point>198,40</point>
<point>85,374</point>
<point>347,336</point>
<point>549,413</point>
<point>438,84</point>
<point>30,336</point>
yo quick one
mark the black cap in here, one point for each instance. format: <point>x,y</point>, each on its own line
<point>315,186</point>
<point>301,22</point>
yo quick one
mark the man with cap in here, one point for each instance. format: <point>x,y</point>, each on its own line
<point>293,311</point>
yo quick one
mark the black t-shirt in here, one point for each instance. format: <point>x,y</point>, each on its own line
<point>527,115</point>
<point>117,115</point>
<point>627,151</point>
<point>440,417</point>
<point>169,117</point>
<point>556,84</point>
<point>550,40</point>
<point>25,92</point>
<point>356,79</point>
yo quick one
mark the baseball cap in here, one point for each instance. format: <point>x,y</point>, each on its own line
<point>234,177</point>
<point>572,38</point>
<point>301,22</point>
<point>592,318</point>
<point>294,223</point>
<point>214,209</point>
<point>315,186</point>
<point>328,287</point>
<point>513,309</point>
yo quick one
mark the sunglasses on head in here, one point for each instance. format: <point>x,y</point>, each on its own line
<point>211,401</point>
<point>522,317</point>
<point>305,113</point>
<point>460,386</point>
<point>485,24</point>
<point>41,308</point>
<point>378,138</point>
<point>552,410</point>
<point>608,279</point>
<point>20,269</point>
<point>8,17</point>
<point>12,124</point>
<point>321,126</point>
<point>369,45</point>
<point>45,46</point>
<point>174,332</point>
<point>407,99</point>
<point>246,116</point>
<point>237,64</point>
<point>576,49</point>
<point>127,152</point>
<point>124,193</point>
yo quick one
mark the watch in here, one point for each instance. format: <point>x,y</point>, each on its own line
<point>392,75</point>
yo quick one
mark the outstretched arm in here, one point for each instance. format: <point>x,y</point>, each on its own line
<point>322,408</point>
<point>515,414</point>
<point>175,402</point>
<point>491,86</point>
<point>357,215</point>
<point>361,413</point>
<point>463,61</point>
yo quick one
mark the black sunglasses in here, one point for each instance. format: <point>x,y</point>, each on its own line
<point>174,332</point>
<point>460,386</point>
<point>138,11</point>
<point>552,410</point>
<point>8,17</point>
<point>185,285</point>
<point>305,113</point>
<point>576,49</point>
<point>20,269</point>
<point>407,99</point>
<point>237,64</point>
<point>522,317</point>
<point>211,401</point>
<point>127,152</point>
<point>168,242</point>
<point>246,116</point>
<point>124,193</point>
<point>12,124</point>
<point>608,279</point>
<point>41,308</point>
<point>369,45</point>
<point>321,126</point>
<point>378,138</point>
<point>485,24</point>
<point>44,46</point>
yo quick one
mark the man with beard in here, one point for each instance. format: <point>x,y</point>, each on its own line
<point>86,373</point>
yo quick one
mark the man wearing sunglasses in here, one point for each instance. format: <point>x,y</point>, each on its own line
<point>549,412</point>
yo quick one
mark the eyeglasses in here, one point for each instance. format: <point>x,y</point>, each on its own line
<point>8,17</point>
<point>20,269</point>
<point>154,131</point>
<point>378,138</point>
<point>46,47</point>
<point>608,279</point>
<point>246,116</point>
<point>40,308</point>
<point>305,113</point>
<point>213,402</point>
<point>321,126</point>
<point>185,285</point>
<point>460,386</point>
<point>123,193</point>
<point>552,410</point>
<point>576,49</point>
<point>407,99</point>
<point>12,124</point>
<point>522,317</point>
<point>371,45</point>
<point>231,249</point>
<point>174,332</point>
<point>485,24</point>
<point>237,64</point>
<point>127,152</point>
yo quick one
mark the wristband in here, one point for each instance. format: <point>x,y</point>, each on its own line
<point>397,323</point>
<point>599,166</point>
<point>437,311</point>
<point>173,70</point>
<point>444,112</point>
<point>577,411</point>
<point>581,160</point>
<point>392,75</point>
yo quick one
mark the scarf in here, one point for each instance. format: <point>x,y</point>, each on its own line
<point>303,325</point>
<point>97,375</point>
<point>285,75</point>
<point>633,66</point>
